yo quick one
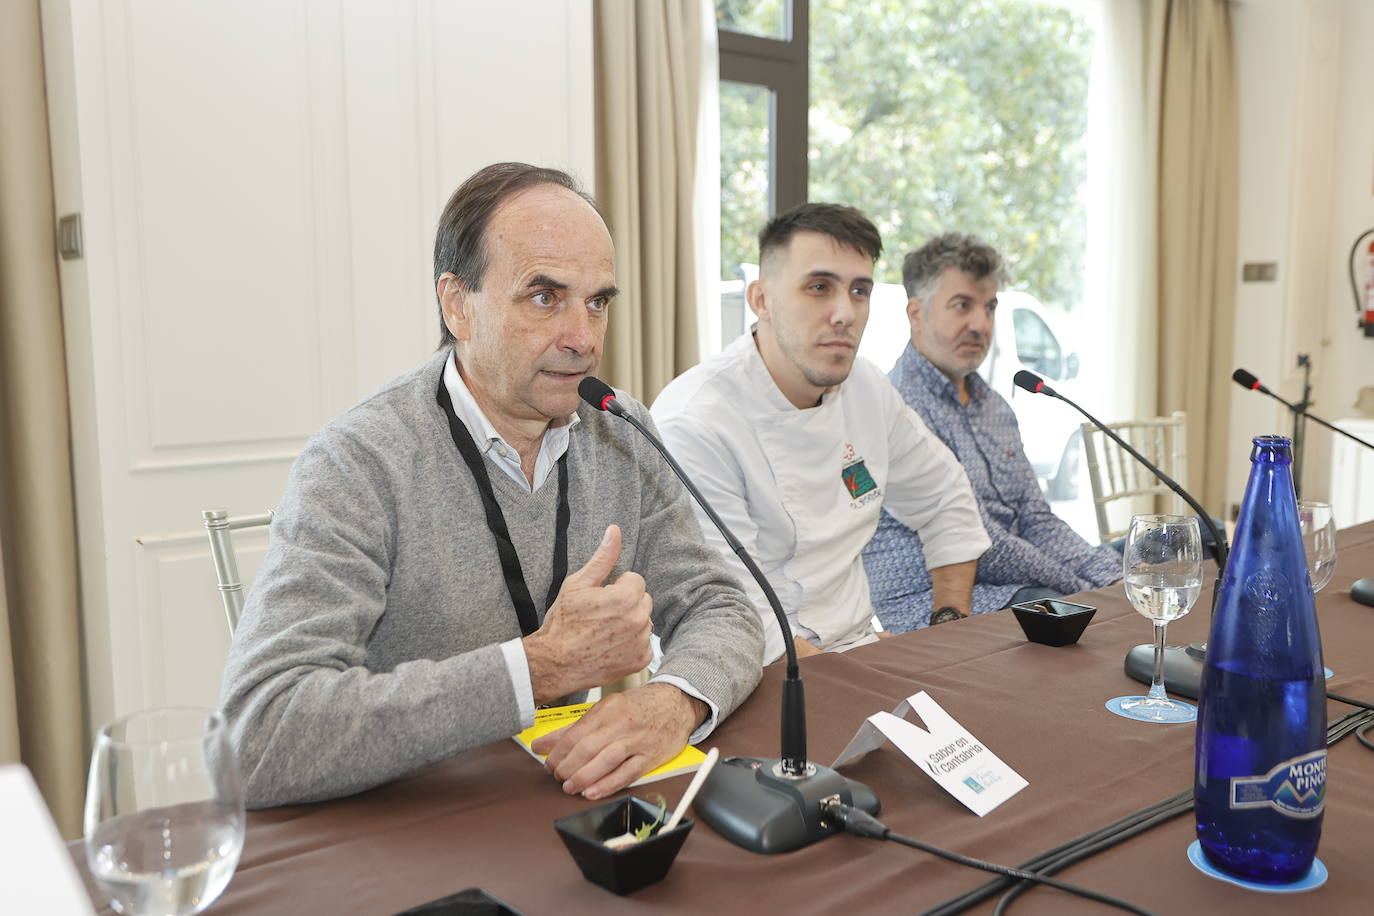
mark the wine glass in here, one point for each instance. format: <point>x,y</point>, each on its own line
<point>164,811</point>
<point>1317,523</point>
<point>1318,526</point>
<point>1163,576</point>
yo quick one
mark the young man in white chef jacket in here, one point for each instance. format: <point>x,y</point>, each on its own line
<point>799,447</point>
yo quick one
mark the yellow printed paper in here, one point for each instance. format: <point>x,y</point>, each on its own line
<point>556,717</point>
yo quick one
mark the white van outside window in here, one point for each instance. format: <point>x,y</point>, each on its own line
<point>1025,336</point>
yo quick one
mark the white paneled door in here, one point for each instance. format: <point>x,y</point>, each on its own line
<point>258,182</point>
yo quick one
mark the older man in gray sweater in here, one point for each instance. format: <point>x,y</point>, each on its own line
<point>469,542</point>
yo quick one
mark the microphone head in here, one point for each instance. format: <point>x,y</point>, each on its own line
<point>598,394</point>
<point>1245,380</point>
<point>1029,381</point>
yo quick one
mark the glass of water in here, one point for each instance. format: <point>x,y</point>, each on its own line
<point>1317,523</point>
<point>164,811</point>
<point>1163,575</point>
<point>1318,526</point>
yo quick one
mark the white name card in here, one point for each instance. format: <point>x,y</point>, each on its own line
<point>35,870</point>
<point>956,760</point>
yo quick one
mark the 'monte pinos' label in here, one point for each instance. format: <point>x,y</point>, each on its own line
<point>1295,787</point>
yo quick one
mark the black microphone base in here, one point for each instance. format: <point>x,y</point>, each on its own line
<point>749,804</point>
<point>1182,667</point>
<point>1363,591</point>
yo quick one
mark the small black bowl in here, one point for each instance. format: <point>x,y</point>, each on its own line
<point>1053,622</point>
<point>621,870</point>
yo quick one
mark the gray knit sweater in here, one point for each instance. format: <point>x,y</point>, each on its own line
<point>369,645</point>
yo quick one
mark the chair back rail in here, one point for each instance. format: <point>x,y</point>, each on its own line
<point>218,528</point>
<point>1116,476</point>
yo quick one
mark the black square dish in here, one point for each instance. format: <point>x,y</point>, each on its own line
<point>627,869</point>
<point>1053,622</point>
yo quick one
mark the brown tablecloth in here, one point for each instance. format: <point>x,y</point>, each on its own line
<point>484,818</point>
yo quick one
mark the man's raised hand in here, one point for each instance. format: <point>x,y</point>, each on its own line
<point>595,632</point>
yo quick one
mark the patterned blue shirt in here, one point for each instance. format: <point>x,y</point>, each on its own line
<point>1030,544</point>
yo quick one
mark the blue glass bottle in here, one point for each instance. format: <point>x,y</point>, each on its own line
<point>1260,770</point>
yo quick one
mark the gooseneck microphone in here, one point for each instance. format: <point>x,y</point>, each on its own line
<point>793,761</point>
<point>764,805</point>
<point>1182,667</point>
<point>1363,589</point>
<point>1036,385</point>
<point>1246,380</point>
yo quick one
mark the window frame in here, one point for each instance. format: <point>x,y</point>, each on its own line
<point>783,67</point>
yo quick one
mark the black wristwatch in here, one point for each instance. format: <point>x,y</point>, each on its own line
<point>946,614</point>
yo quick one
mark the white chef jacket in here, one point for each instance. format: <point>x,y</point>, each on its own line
<point>803,489</point>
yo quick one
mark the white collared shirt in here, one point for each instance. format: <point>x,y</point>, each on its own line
<point>489,441</point>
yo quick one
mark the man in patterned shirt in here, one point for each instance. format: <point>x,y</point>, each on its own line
<point>951,284</point>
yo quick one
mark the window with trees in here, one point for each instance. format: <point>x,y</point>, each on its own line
<point>929,116</point>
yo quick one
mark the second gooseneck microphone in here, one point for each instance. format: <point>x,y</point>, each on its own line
<point>1036,385</point>
<point>1182,666</point>
<point>1363,589</point>
<point>1246,380</point>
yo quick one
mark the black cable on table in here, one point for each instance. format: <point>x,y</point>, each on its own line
<point>861,823</point>
<point>1059,864</point>
<point>1074,850</point>
<point>1360,721</point>
<point>1348,701</point>
<point>1335,732</point>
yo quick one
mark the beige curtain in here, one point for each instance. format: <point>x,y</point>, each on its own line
<point>648,73</point>
<point>41,718</point>
<point>1198,159</point>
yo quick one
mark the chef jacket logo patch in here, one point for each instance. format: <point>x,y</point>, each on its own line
<point>858,482</point>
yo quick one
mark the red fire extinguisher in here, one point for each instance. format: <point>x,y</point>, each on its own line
<point>1364,304</point>
<point>1369,294</point>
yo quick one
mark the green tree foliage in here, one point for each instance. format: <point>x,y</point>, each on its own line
<point>744,113</point>
<point>754,17</point>
<point>939,115</point>
<point>743,173</point>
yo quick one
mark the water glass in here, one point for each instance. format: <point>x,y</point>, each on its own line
<point>164,811</point>
<point>1318,526</point>
<point>1162,572</point>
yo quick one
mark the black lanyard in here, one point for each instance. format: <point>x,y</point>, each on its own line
<point>496,522</point>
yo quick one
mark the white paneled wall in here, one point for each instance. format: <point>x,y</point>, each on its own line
<point>1352,474</point>
<point>1306,192</point>
<point>258,182</point>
